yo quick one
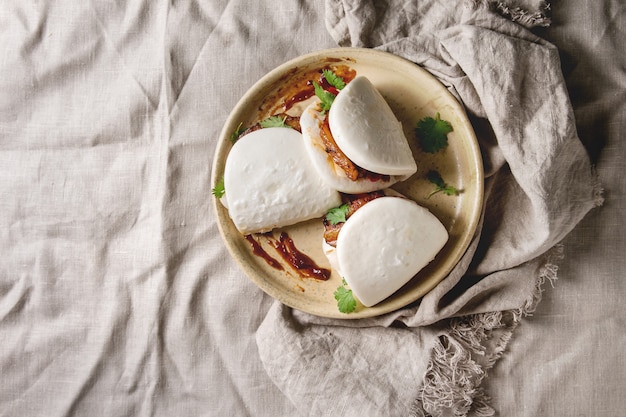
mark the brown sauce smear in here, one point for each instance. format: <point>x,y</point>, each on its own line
<point>258,250</point>
<point>298,87</point>
<point>301,263</point>
<point>284,245</point>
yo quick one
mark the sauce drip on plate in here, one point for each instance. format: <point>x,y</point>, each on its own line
<point>300,88</point>
<point>284,245</point>
<point>258,250</point>
<point>304,265</point>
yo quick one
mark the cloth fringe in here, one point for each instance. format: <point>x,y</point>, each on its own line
<point>527,18</point>
<point>459,362</point>
<point>548,273</point>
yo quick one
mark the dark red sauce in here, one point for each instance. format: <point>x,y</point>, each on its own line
<point>304,265</point>
<point>326,86</point>
<point>304,94</point>
<point>258,250</point>
<point>286,248</point>
<point>298,87</point>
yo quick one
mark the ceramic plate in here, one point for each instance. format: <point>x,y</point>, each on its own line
<point>413,94</point>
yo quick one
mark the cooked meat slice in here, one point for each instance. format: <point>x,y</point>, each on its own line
<point>355,202</point>
<point>339,158</point>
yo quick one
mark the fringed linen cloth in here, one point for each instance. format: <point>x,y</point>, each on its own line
<point>430,358</point>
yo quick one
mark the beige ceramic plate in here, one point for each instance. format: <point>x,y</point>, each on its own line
<point>412,93</point>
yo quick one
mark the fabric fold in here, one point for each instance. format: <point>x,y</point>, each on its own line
<point>539,185</point>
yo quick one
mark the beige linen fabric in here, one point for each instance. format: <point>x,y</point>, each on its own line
<point>117,294</point>
<point>539,185</point>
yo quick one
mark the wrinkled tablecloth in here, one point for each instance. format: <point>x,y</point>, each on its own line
<point>118,296</point>
<point>431,357</point>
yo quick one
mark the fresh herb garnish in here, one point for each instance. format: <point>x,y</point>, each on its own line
<point>325,97</point>
<point>236,133</point>
<point>433,133</point>
<point>337,214</point>
<point>333,79</point>
<point>274,121</point>
<point>346,303</point>
<point>218,191</point>
<point>440,185</point>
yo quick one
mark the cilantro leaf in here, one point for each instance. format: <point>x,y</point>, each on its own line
<point>274,121</point>
<point>218,191</point>
<point>433,133</point>
<point>440,185</point>
<point>346,303</point>
<point>333,79</point>
<point>325,97</point>
<point>337,214</point>
<point>236,133</point>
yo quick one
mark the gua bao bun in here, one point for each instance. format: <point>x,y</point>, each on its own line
<point>270,182</point>
<point>367,136</point>
<point>383,244</point>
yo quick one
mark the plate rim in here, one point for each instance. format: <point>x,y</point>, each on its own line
<point>345,53</point>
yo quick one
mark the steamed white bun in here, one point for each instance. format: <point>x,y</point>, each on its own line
<point>383,245</point>
<point>270,182</point>
<point>310,122</point>
<point>367,131</point>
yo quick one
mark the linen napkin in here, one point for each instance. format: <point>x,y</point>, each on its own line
<point>430,358</point>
